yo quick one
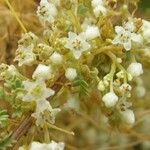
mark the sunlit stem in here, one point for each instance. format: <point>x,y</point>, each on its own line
<point>46,134</point>
<point>112,72</point>
<point>16,16</point>
<point>59,129</point>
<point>114,58</point>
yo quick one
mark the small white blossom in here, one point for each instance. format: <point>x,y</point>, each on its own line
<point>128,116</point>
<point>47,11</point>
<point>110,99</point>
<point>36,91</point>
<point>72,103</point>
<point>125,36</point>
<point>28,39</point>
<point>8,71</point>
<point>135,69</point>
<point>56,58</point>
<point>125,88</point>
<point>87,22</point>
<point>42,72</point>
<point>146,30</point>
<point>25,55</point>
<point>101,86</point>
<point>43,107</point>
<point>43,146</point>
<point>71,73</point>
<point>92,32</point>
<point>98,7</point>
<point>77,44</point>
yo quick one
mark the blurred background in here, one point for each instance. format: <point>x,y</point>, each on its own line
<point>90,136</point>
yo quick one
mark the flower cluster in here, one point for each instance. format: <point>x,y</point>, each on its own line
<point>83,58</point>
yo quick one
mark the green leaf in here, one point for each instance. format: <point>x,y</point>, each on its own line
<point>3,117</point>
<point>2,93</point>
<point>83,87</point>
<point>6,142</point>
<point>82,10</point>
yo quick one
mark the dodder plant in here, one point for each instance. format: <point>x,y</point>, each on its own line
<point>86,63</point>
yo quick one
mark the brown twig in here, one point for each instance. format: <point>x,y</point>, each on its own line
<point>27,122</point>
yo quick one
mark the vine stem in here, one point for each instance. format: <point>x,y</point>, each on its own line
<point>114,58</point>
<point>112,72</point>
<point>59,129</point>
<point>16,16</point>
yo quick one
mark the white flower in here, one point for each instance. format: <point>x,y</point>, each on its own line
<point>25,55</point>
<point>28,39</point>
<point>125,36</point>
<point>42,72</point>
<point>43,146</point>
<point>125,88</point>
<point>128,116</point>
<point>135,69</point>
<point>43,106</point>
<point>87,22</point>
<point>77,44</point>
<point>36,91</point>
<point>8,71</point>
<point>146,30</point>
<point>72,103</point>
<point>98,7</point>
<point>71,73</point>
<point>92,32</point>
<point>56,58</point>
<point>110,99</point>
<point>101,86</point>
<point>47,11</point>
<point>95,3</point>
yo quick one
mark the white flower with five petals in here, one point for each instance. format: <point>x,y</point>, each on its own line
<point>43,107</point>
<point>47,11</point>
<point>98,7</point>
<point>36,91</point>
<point>42,72</point>
<point>125,36</point>
<point>25,55</point>
<point>77,44</point>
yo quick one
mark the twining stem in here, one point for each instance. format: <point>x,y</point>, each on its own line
<point>59,129</point>
<point>112,72</point>
<point>15,15</point>
<point>46,134</point>
<point>75,21</point>
<point>114,58</point>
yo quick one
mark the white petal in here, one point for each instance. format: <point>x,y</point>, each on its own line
<point>77,54</point>
<point>119,29</point>
<point>72,35</point>
<point>127,45</point>
<point>136,37</point>
<point>48,92</point>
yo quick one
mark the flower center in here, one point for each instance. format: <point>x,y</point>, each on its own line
<point>77,44</point>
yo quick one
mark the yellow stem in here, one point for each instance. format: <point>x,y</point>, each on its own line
<point>114,58</point>
<point>59,129</point>
<point>46,134</point>
<point>75,21</point>
<point>15,15</point>
<point>112,72</point>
